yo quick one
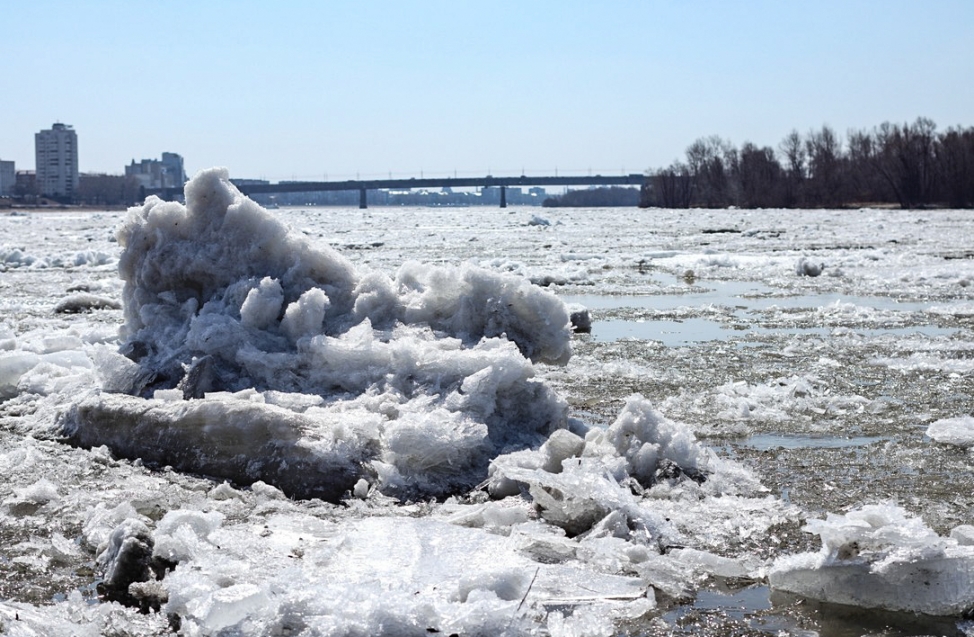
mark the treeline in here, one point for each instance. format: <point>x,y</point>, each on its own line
<point>910,165</point>
<point>595,198</point>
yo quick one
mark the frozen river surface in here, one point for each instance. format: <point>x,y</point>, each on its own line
<point>220,420</point>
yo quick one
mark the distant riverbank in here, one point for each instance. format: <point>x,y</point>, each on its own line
<point>9,205</point>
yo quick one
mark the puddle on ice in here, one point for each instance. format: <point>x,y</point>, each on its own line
<point>738,603</point>
<point>745,295</point>
<point>675,296</point>
<point>747,298</point>
<point>758,610</point>
<point>679,333</point>
<point>670,333</point>
<point>765,442</point>
<point>742,608</point>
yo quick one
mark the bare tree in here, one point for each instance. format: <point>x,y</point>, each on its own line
<point>954,152</point>
<point>905,159</point>
<point>673,186</point>
<point>863,181</point>
<point>759,177</point>
<point>824,167</point>
<point>709,161</point>
<point>792,149</point>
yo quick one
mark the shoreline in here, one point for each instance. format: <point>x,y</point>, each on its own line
<point>61,208</point>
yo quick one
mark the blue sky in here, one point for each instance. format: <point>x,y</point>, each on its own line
<point>313,90</point>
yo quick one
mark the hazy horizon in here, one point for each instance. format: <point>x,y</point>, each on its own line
<point>308,91</point>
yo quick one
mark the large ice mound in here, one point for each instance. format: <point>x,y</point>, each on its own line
<point>250,354</point>
<point>879,556</point>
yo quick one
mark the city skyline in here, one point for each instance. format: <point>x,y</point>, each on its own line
<point>339,92</point>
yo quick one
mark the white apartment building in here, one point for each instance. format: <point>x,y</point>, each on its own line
<point>8,178</point>
<point>56,152</point>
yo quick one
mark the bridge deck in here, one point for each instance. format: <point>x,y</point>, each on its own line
<point>632,179</point>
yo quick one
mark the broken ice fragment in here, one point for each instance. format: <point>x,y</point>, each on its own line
<point>879,556</point>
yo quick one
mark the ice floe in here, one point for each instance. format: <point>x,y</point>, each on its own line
<point>953,431</point>
<point>879,556</point>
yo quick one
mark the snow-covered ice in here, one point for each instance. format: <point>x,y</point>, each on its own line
<point>389,422</point>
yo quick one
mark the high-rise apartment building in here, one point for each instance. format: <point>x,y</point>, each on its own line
<point>56,152</point>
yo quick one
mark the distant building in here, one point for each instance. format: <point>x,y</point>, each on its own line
<point>26,182</point>
<point>56,154</point>
<point>8,178</point>
<point>154,173</point>
<point>173,164</point>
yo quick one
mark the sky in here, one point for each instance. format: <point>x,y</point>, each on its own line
<point>339,90</point>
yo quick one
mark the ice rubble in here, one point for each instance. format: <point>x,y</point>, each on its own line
<point>247,569</point>
<point>776,400</point>
<point>415,381</point>
<point>252,356</point>
<point>878,556</point>
<point>16,257</point>
<point>577,480</point>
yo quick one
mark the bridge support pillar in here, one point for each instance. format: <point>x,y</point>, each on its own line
<point>362,201</point>
<point>503,196</point>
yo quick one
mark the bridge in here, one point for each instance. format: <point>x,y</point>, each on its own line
<point>363,186</point>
